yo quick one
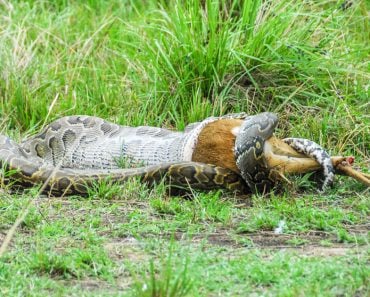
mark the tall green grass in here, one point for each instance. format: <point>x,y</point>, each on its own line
<point>171,63</point>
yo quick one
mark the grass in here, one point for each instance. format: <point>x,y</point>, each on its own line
<point>169,64</point>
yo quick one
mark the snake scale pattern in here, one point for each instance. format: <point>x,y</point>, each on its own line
<point>74,152</point>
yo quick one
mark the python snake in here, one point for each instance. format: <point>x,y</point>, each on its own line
<point>74,152</point>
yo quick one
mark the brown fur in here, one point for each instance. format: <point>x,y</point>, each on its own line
<point>216,144</point>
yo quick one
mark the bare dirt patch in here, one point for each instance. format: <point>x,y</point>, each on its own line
<point>95,285</point>
<point>130,248</point>
<point>125,249</point>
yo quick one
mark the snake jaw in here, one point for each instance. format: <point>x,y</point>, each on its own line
<point>262,159</point>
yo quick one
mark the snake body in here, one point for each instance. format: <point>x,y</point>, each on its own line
<point>315,151</point>
<point>74,152</point>
<point>249,150</point>
<point>58,180</point>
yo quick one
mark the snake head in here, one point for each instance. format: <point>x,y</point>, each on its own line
<point>249,150</point>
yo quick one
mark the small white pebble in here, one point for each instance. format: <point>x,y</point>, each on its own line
<point>280,228</point>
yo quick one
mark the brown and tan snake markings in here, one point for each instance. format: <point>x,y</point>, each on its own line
<point>235,152</point>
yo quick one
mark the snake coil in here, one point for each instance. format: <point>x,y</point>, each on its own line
<point>74,152</point>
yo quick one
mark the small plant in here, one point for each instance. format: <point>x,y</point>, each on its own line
<point>104,189</point>
<point>326,243</point>
<point>128,162</point>
<point>169,280</point>
<point>73,262</point>
<point>297,241</point>
<point>162,206</point>
<point>211,206</point>
<point>7,177</point>
<point>343,236</point>
<point>302,183</point>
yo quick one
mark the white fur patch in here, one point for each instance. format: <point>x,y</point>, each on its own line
<point>235,131</point>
